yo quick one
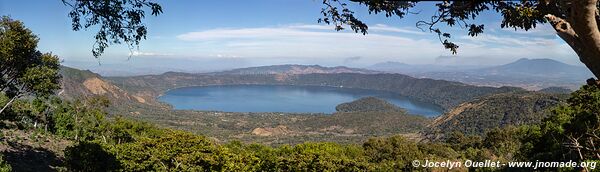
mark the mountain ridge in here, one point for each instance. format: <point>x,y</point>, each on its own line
<point>532,74</point>
<point>537,67</point>
<point>294,69</point>
<point>80,84</point>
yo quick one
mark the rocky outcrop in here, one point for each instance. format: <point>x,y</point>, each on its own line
<point>78,84</point>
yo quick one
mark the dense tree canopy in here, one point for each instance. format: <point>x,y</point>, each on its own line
<point>576,125</point>
<point>23,69</point>
<point>118,20</point>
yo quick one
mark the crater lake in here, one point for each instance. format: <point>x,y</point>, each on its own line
<point>283,98</point>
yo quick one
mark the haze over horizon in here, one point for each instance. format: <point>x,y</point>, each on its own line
<point>197,36</point>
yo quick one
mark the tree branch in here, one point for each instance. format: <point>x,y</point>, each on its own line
<point>564,30</point>
<point>8,104</point>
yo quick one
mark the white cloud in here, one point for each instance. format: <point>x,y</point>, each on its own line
<point>312,26</point>
<point>286,31</point>
<point>320,43</point>
<point>510,41</point>
<point>311,41</point>
<point>386,28</point>
<point>139,53</point>
<point>224,56</point>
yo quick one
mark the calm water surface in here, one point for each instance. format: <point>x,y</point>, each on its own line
<point>282,98</point>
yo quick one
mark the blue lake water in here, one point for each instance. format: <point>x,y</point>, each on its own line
<point>282,98</point>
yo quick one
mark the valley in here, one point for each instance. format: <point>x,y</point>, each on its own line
<point>137,97</point>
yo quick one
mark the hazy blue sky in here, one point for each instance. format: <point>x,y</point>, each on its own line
<point>217,34</point>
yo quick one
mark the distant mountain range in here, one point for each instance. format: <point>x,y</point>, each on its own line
<point>538,67</point>
<point>403,68</point>
<point>533,74</point>
<point>295,69</point>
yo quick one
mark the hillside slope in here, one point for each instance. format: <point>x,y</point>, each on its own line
<point>368,116</point>
<point>499,110</point>
<point>77,84</point>
<point>356,120</point>
<point>367,104</point>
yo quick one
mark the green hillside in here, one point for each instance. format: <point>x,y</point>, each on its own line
<point>369,116</point>
<point>495,111</point>
<point>367,104</point>
<point>559,90</point>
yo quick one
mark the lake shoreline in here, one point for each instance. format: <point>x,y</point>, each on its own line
<point>274,97</point>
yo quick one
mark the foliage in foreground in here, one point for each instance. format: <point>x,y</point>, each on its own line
<point>23,69</point>
<point>4,166</point>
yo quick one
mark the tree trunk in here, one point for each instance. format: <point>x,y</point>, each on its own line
<point>580,31</point>
<point>8,104</point>
<point>591,59</point>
